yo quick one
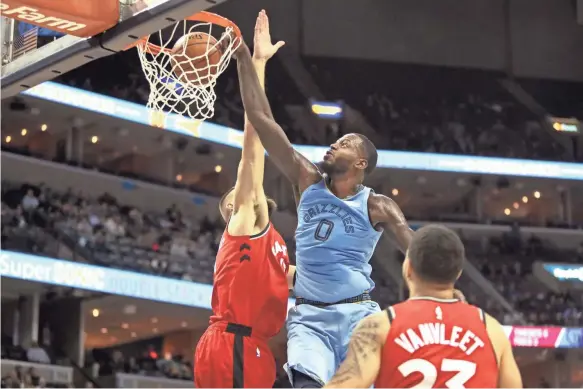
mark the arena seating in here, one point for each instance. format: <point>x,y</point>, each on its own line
<point>407,104</point>
<point>166,243</point>
<point>148,362</point>
<point>436,109</point>
<point>27,368</point>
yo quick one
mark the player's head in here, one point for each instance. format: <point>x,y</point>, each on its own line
<point>351,153</point>
<point>226,204</point>
<point>435,258</point>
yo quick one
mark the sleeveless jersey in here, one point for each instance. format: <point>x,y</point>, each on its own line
<point>334,243</point>
<point>436,343</point>
<point>250,282</point>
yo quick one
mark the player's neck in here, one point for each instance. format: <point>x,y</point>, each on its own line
<point>428,291</point>
<point>343,186</point>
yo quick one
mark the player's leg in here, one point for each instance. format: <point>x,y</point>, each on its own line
<point>353,314</point>
<point>304,381</point>
<point>310,353</point>
<point>213,360</point>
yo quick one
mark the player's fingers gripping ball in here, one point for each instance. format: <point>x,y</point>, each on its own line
<point>195,58</point>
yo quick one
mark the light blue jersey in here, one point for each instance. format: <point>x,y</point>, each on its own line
<point>334,243</point>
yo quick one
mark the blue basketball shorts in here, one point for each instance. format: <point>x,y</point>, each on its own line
<point>318,337</point>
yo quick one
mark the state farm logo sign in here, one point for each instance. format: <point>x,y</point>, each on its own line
<point>33,15</point>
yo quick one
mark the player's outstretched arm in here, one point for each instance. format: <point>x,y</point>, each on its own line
<point>296,167</point>
<point>385,212</point>
<point>508,373</point>
<point>253,154</point>
<point>363,360</point>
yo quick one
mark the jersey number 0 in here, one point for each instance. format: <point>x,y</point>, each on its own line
<point>464,370</point>
<point>323,230</point>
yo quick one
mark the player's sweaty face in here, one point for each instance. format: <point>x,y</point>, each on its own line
<point>342,155</point>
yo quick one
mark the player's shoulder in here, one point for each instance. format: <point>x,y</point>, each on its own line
<point>381,203</point>
<point>375,326</point>
<point>498,337</point>
<point>494,327</point>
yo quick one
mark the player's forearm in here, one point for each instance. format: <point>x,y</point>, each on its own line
<point>403,234</point>
<point>392,219</point>
<point>252,93</point>
<point>246,182</point>
<point>260,116</point>
<point>252,147</point>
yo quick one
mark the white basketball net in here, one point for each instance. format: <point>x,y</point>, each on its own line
<point>167,93</point>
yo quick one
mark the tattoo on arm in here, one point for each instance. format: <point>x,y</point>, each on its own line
<point>364,344</point>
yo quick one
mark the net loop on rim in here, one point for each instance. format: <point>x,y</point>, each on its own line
<point>161,66</point>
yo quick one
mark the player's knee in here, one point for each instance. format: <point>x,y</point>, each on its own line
<point>302,380</point>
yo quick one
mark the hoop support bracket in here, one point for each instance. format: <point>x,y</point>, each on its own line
<point>68,53</point>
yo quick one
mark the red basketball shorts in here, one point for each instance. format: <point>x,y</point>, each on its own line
<point>228,357</point>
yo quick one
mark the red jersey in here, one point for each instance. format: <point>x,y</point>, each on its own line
<point>250,283</point>
<point>436,343</point>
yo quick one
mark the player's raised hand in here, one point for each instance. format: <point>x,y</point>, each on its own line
<point>264,49</point>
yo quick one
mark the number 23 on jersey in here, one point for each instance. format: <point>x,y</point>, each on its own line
<point>464,371</point>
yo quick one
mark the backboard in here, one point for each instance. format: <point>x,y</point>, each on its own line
<point>32,54</point>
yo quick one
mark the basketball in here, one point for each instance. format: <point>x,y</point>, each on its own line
<point>194,58</point>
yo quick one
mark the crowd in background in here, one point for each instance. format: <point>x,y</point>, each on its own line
<point>27,376</point>
<point>111,234</point>
<point>171,244</point>
<point>437,109</point>
<point>98,363</point>
<point>406,105</point>
<point>148,362</point>
<point>412,107</point>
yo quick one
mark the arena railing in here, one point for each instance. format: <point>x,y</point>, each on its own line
<point>52,374</point>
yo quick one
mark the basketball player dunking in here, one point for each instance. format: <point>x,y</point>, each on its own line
<point>250,291</point>
<point>431,340</point>
<point>339,224</point>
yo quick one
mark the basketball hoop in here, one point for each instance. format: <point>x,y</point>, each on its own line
<point>170,93</point>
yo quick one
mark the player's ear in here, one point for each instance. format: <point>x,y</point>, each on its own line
<point>361,164</point>
<point>406,268</point>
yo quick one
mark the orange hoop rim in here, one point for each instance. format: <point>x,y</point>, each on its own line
<point>202,16</point>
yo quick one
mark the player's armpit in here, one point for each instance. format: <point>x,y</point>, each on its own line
<point>385,212</point>
<point>508,372</point>
<point>363,361</point>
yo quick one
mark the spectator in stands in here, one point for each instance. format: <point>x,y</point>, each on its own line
<point>36,380</point>
<point>114,227</point>
<point>132,366</point>
<point>37,354</point>
<point>11,380</point>
<point>30,201</point>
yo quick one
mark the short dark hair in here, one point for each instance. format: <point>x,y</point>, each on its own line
<point>436,254</point>
<point>370,152</point>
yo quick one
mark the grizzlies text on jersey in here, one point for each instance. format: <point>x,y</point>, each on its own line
<point>334,243</point>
